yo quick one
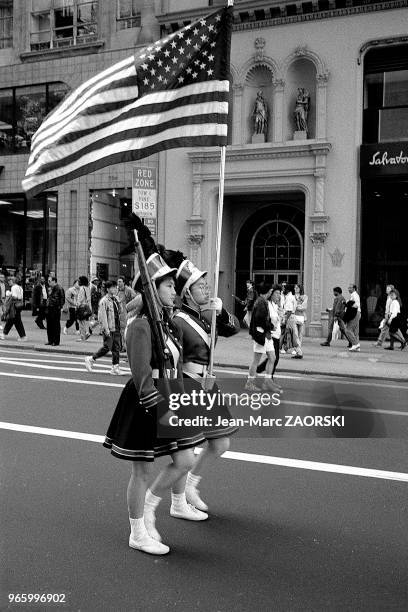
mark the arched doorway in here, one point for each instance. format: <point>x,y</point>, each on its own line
<point>277,253</point>
<point>270,242</point>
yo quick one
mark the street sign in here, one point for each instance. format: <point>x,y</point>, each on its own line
<point>144,192</point>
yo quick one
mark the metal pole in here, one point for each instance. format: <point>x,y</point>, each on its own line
<point>218,251</point>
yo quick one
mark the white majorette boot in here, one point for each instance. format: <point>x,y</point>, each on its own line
<point>181,509</point>
<point>193,494</point>
<point>140,539</point>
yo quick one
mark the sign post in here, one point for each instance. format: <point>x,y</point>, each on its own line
<point>144,198</point>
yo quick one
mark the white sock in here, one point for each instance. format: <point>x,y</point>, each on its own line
<point>151,500</point>
<point>178,500</point>
<point>193,480</point>
<point>138,528</point>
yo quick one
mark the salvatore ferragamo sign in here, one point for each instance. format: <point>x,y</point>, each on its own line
<point>383,159</point>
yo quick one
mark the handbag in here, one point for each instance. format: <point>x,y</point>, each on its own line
<point>83,311</point>
<point>18,304</point>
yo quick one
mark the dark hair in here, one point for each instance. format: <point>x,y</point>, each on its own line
<point>82,280</point>
<point>337,289</point>
<point>276,288</point>
<point>301,288</point>
<point>54,278</point>
<point>109,284</point>
<point>263,287</point>
<point>121,278</point>
<point>289,288</point>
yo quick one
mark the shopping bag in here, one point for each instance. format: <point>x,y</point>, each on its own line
<point>336,331</point>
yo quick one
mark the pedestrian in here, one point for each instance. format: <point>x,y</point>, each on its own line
<point>352,317</point>
<point>194,323</point>
<point>383,327</point>
<point>83,308</point>
<point>124,296</point>
<point>14,304</point>
<point>300,312</point>
<point>336,315</point>
<point>132,434</point>
<point>248,303</point>
<point>290,306</point>
<point>394,322</point>
<point>109,319</point>
<point>39,302</point>
<point>3,289</point>
<point>71,297</point>
<point>265,321</point>
<point>55,302</point>
<point>96,296</point>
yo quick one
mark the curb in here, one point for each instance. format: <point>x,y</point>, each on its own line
<point>69,351</point>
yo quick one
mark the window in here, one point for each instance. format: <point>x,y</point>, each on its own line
<point>22,110</point>
<point>6,24</point>
<point>386,96</point>
<point>63,23</point>
<point>128,14</point>
<point>277,246</point>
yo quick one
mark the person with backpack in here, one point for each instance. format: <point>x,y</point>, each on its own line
<point>14,304</point>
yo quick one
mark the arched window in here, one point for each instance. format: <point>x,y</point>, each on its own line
<point>277,245</point>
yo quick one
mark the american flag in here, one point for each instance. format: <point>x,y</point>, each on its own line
<point>173,93</point>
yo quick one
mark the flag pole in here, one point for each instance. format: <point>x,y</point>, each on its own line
<point>217,251</point>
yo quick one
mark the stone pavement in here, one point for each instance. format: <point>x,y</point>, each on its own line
<point>236,352</point>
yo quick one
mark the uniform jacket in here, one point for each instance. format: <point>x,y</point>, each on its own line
<point>195,348</point>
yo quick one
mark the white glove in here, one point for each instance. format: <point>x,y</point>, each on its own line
<point>216,304</point>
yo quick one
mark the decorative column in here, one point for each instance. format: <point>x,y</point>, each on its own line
<point>194,241</point>
<point>150,30</point>
<point>318,239</point>
<point>237,130</point>
<point>278,122</point>
<point>321,104</point>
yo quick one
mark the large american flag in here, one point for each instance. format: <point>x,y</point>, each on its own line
<point>173,93</point>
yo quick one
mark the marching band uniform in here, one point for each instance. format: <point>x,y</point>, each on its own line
<point>132,433</point>
<point>195,328</point>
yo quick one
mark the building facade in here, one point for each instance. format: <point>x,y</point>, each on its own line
<point>317,195</point>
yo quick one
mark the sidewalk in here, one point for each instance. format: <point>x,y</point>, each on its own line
<point>236,352</point>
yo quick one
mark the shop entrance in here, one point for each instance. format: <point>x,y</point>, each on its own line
<point>384,254</point>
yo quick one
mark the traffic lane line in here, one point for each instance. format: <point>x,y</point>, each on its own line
<point>237,456</point>
<point>33,364</point>
<point>107,384</point>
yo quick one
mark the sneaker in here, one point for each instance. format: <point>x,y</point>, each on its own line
<point>22,339</point>
<point>403,345</point>
<point>65,331</point>
<point>293,352</point>
<point>282,352</point>
<point>116,371</point>
<point>148,545</point>
<point>251,386</point>
<point>325,343</point>
<point>193,498</point>
<point>388,348</point>
<point>188,512</point>
<point>270,385</point>
<point>89,362</point>
<point>297,356</point>
<point>354,348</point>
<point>150,523</point>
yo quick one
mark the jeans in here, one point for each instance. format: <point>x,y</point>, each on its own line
<point>18,324</point>
<point>110,343</point>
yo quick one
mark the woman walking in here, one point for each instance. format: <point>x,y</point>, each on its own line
<point>394,322</point>
<point>132,434</point>
<point>300,312</point>
<point>83,308</point>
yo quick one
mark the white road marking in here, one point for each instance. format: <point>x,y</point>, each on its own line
<point>76,381</point>
<point>33,364</point>
<point>324,378</point>
<point>248,457</point>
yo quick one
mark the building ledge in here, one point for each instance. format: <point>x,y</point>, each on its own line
<point>50,54</point>
<point>267,150</point>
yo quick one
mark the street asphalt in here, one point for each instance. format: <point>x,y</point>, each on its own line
<point>314,520</point>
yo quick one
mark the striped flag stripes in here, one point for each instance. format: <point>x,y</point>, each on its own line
<point>174,93</point>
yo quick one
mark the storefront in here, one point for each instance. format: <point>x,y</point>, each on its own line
<point>28,237</point>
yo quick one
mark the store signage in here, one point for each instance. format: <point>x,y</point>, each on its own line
<point>144,192</point>
<point>384,159</point>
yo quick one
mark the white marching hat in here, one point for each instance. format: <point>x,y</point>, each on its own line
<point>187,274</point>
<point>156,267</point>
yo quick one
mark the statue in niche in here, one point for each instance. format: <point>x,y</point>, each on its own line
<point>301,112</point>
<point>260,114</point>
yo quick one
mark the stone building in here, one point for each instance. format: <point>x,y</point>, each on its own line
<point>321,206</point>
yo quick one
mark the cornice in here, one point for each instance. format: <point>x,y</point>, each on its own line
<point>57,53</point>
<point>261,151</point>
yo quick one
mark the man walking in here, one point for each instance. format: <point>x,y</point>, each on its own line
<point>3,289</point>
<point>124,295</point>
<point>109,319</point>
<point>290,306</point>
<point>55,302</point>
<point>12,309</point>
<point>39,302</point>
<point>71,298</point>
<point>353,324</point>
<point>336,315</point>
